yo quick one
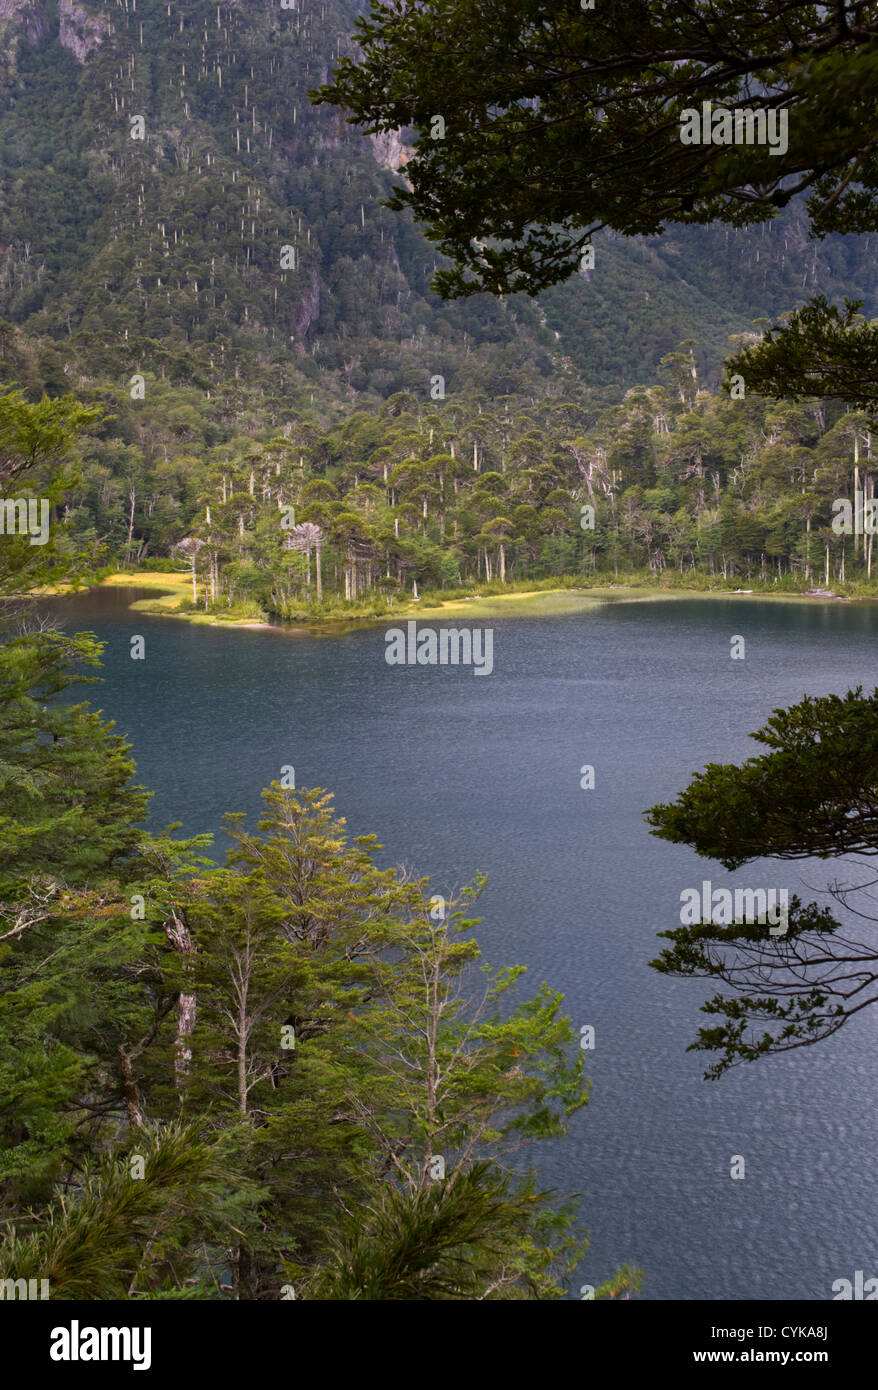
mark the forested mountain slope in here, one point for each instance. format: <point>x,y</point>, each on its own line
<point>166,252</point>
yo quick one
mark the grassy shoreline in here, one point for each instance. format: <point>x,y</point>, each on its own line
<point>174,588</point>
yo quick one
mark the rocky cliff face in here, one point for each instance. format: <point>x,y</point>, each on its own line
<point>308,310</point>
<point>79,31</point>
<point>29,17</point>
<point>388,149</point>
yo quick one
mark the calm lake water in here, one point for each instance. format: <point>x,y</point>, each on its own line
<point>456,773</point>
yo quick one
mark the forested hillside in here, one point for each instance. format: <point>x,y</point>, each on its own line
<point>164,252</point>
<point>279,515</point>
<point>264,1072</point>
<point>259,334</point>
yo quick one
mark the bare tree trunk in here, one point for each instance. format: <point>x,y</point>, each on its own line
<point>856,491</point>
<point>242,1056</point>
<point>132,498</point>
<point>180,938</point>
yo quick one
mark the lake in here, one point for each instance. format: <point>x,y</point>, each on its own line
<point>457,773</point>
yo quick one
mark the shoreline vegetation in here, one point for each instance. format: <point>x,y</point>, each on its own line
<point>173,599</point>
<point>409,509</point>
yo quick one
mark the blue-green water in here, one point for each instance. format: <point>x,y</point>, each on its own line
<point>456,773</point>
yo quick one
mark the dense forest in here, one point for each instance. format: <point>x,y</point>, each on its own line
<point>192,246</point>
<point>166,252</point>
<point>208,1068</point>
<point>283,516</point>
<point>248,1076</point>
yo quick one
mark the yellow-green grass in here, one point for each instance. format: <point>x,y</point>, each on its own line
<point>528,602</point>
<point>173,587</point>
<point>533,603</point>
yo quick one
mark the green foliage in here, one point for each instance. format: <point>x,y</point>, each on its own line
<point>459,1239</point>
<point>303,1008</point>
<point>67,943</point>
<point>37,442</point>
<point>818,351</point>
<point>341,522</point>
<point>334,1045</point>
<point>68,808</point>
<point>557,123</point>
<point>814,794</point>
<point>123,1233</point>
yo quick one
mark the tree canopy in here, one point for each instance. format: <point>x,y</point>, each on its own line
<point>818,350</point>
<point>204,1068</point>
<point>814,794</point>
<point>536,126</point>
